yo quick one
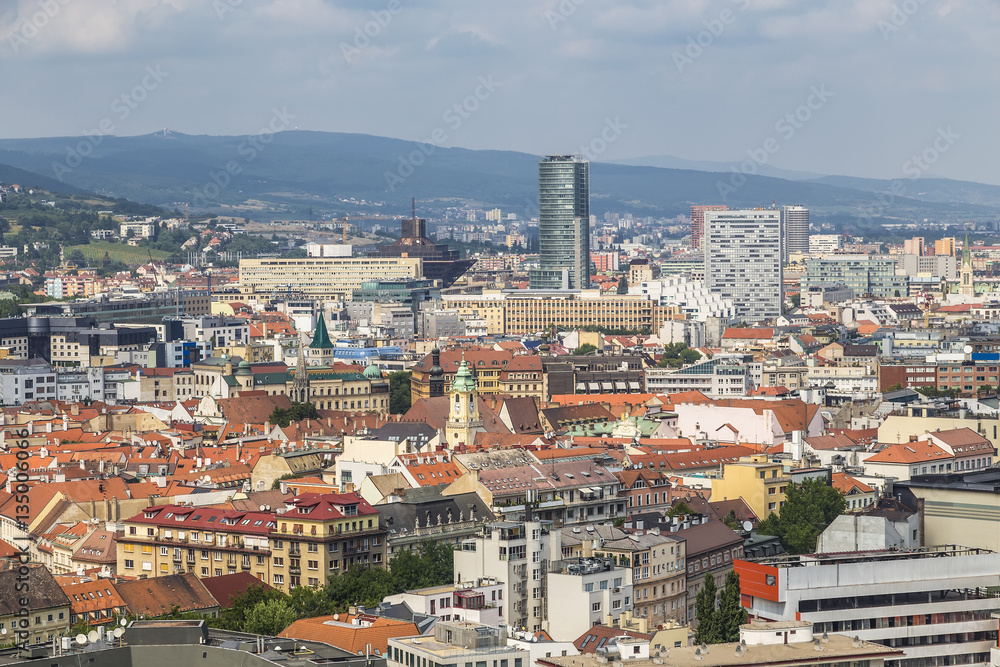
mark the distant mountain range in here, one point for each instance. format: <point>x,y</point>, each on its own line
<point>340,174</point>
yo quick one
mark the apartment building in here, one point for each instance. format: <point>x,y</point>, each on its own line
<point>517,554</point>
<point>208,542</point>
<point>322,534</point>
<point>759,482</point>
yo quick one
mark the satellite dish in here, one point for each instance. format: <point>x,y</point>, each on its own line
<point>747,526</point>
<point>81,639</point>
<point>93,636</point>
<point>124,622</point>
<point>3,631</point>
<point>118,632</point>
<point>263,507</point>
<point>967,349</point>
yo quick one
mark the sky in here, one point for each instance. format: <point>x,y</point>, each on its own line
<point>873,88</point>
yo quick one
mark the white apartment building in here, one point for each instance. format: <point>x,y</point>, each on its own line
<point>932,603</point>
<point>518,554</point>
<point>582,592</point>
<point>693,297</point>
<point>744,253</point>
<point>821,244</point>
<point>27,380</point>
<point>480,601</point>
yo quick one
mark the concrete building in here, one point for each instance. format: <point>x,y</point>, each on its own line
<point>322,277</point>
<point>480,602</point>
<point>455,643</point>
<point>692,297</point>
<point>744,261</point>
<point>864,275</point>
<point>520,312</point>
<point>938,266</point>
<point>582,592</point>
<point>519,555</point>
<point>563,223</point>
<point>823,244</point>
<point>23,380</point>
<point>795,221</point>
<point>698,222</point>
<point>931,603</point>
<point>961,507</point>
<point>788,644</point>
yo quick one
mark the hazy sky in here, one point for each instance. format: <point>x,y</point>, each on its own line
<point>698,79</point>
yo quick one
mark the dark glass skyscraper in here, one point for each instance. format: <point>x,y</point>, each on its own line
<point>563,223</point>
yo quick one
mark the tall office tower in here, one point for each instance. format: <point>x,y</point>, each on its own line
<point>563,223</point>
<point>796,222</point>
<point>698,222</point>
<point>743,261</point>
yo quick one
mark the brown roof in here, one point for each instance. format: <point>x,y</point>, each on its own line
<point>835,441</point>
<point>910,452</point>
<point>434,413</point>
<point>962,440</point>
<point>251,409</point>
<point>344,635</point>
<point>845,484</point>
<point>228,586</point>
<point>42,592</point>
<point>707,537</point>
<point>158,595</point>
<point>748,334</point>
<point>573,413</point>
<point>100,547</point>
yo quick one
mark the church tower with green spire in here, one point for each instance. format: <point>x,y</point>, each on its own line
<point>464,420</point>
<point>321,348</point>
<point>966,286</point>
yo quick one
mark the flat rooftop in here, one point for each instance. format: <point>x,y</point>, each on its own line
<point>806,560</point>
<point>836,648</point>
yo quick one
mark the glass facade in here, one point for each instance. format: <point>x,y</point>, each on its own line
<point>563,223</point>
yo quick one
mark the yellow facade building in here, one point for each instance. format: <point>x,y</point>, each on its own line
<point>762,484</point>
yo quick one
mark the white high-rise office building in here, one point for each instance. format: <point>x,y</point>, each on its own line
<point>743,261</point>
<point>796,223</point>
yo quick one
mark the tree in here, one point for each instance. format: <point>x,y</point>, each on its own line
<point>234,617</point>
<point>623,285</point>
<point>298,412</point>
<point>894,387</point>
<point>8,308</point>
<point>399,392</point>
<point>269,617</point>
<point>678,508</point>
<point>796,299</point>
<point>808,509</point>
<point>584,349</point>
<point>731,614</point>
<point>707,631</point>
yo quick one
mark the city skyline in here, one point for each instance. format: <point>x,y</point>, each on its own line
<point>500,77</point>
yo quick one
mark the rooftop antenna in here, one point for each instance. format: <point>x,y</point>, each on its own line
<point>413,205</point>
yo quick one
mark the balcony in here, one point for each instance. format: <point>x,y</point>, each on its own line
<point>295,570</point>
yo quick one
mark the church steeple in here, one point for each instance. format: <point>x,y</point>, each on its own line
<point>300,385</point>
<point>464,420</point>
<point>966,286</point>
